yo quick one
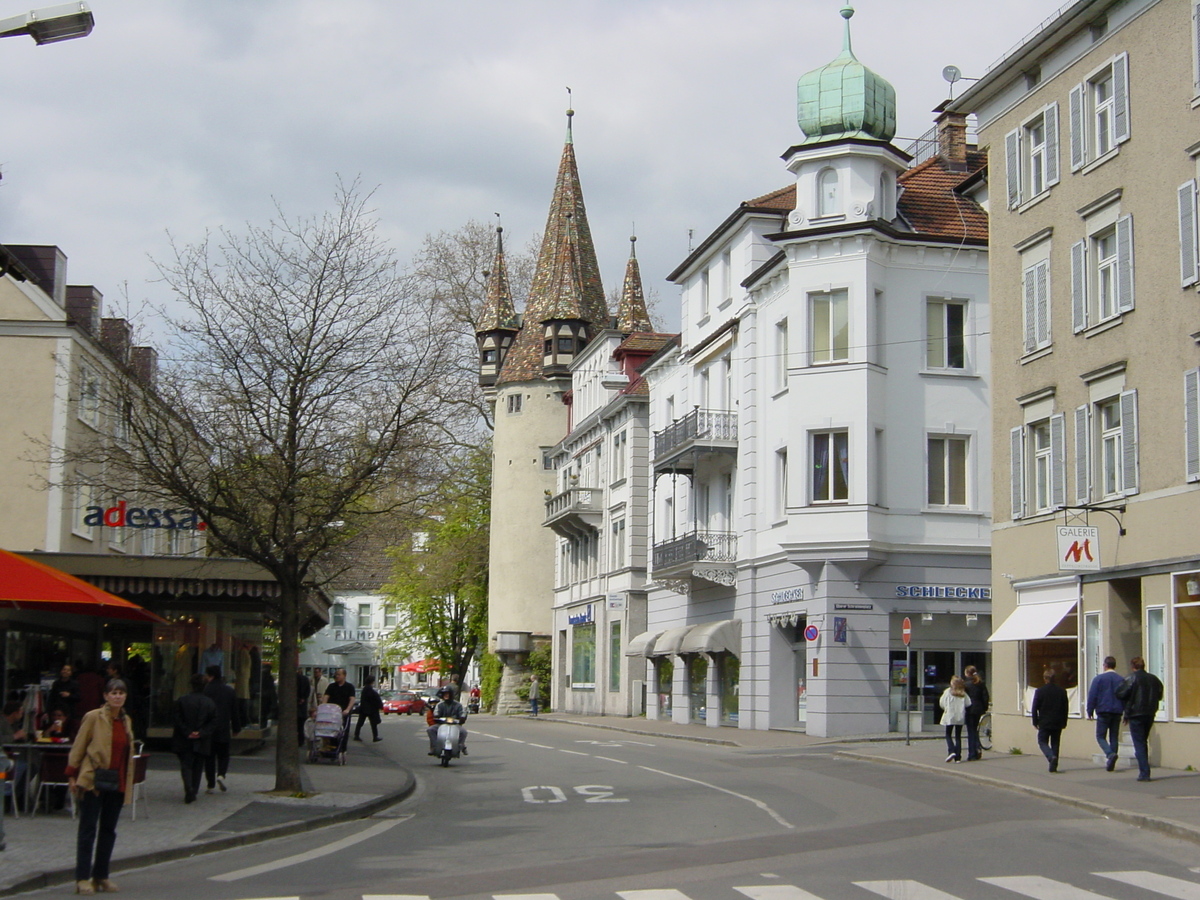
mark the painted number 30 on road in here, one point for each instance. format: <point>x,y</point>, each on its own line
<point>594,793</point>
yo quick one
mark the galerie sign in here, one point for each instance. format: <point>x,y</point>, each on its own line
<point>122,515</point>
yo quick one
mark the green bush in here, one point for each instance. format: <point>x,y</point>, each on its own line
<point>489,680</point>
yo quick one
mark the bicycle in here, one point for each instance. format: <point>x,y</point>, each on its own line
<point>985,730</point>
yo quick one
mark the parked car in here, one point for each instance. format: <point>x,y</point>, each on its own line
<point>402,702</point>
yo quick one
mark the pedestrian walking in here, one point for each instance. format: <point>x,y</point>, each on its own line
<point>1141,693</point>
<point>1049,712</point>
<point>100,773</point>
<point>319,685</point>
<point>980,699</point>
<point>535,694</point>
<point>1107,708</point>
<point>369,706</point>
<point>954,703</point>
<point>227,724</point>
<point>195,718</point>
<point>270,696</point>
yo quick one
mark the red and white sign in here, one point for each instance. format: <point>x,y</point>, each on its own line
<point>906,631</point>
<point>811,633</point>
<point>1078,547</point>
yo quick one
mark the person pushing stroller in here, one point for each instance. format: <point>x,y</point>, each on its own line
<point>448,708</point>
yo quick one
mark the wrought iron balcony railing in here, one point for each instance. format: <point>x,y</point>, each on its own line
<point>699,427</point>
<point>696,546</point>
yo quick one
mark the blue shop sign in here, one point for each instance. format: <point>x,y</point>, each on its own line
<point>583,618</point>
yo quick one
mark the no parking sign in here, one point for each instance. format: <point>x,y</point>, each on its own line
<point>811,633</point>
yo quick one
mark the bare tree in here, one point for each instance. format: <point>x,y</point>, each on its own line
<point>299,404</point>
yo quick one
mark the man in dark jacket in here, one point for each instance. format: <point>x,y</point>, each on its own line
<point>228,723</point>
<point>64,693</point>
<point>1141,693</point>
<point>1102,703</point>
<point>369,706</point>
<point>1049,710</point>
<point>195,717</point>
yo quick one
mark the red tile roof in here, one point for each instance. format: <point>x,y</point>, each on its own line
<point>931,203</point>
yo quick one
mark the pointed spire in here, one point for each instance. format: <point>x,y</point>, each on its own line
<point>566,291</point>
<point>498,310</point>
<point>632,314</point>
<point>847,13</point>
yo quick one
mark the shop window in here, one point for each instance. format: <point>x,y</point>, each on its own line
<point>1156,646</point>
<point>614,657</point>
<point>1187,646</point>
<point>664,679</point>
<point>1058,652</point>
<point>729,672</point>
<point>583,656</point>
<point>698,688</point>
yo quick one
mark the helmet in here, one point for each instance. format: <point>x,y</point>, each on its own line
<point>445,691</point>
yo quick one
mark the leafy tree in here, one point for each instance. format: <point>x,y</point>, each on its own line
<point>440,581</point>
<point>298,404</point>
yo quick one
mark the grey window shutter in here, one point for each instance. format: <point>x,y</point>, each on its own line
<point>1083,455</point>
<point>1078,135</point>
<point>1191,423</point>
<point>1129,441</point>
<point>1187,232</point>
<point>1031,309</point>
<point>1120,72</point>
<point>1012,165</point>
<point>1196,43</point>
<point>1050,117</point>
<point>1058,460</point>
<point>1125,263</point>
<point>1043,302</point>
<point>1017,443</point>
<point>1079,286</point>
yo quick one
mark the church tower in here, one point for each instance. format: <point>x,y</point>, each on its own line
<point>525,365</point>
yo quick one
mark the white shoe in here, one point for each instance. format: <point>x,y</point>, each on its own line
<point>221,783</point>
<point>950,758</point>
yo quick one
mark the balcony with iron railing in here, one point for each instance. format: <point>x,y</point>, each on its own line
<point>702,430</point>
<point>575,511</point>
<point>678,556</point>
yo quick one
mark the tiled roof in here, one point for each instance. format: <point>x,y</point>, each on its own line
<point>931,204</point>
<point>783,199</point>
<point>632,314</point>
<point>644,342</point>
<point>498,311</point>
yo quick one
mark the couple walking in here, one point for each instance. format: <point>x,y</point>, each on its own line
<point>963,703</point>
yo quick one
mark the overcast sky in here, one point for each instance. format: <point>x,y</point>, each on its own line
<point>185,115</point>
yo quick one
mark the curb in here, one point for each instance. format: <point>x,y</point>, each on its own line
<point>1161,824</point>
<point>216,845</point>
<point>675,737</point>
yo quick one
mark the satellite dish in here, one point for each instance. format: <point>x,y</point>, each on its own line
<point>952,74</point>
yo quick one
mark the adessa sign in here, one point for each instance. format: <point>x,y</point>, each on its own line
<point>122,515</point>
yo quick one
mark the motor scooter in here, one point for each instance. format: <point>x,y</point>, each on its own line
<point>449,730</point>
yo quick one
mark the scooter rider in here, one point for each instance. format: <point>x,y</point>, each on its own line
<point>448,708</point>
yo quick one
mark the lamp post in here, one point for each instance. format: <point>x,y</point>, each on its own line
<point>51,24</point>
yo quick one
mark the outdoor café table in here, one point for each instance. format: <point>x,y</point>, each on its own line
<point>32,752</point>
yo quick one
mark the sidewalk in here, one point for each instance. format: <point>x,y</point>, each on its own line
<point>1170,804</point>
<point>41,849</point>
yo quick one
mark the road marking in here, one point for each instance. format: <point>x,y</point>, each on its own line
<point>774,815</point>
<point>394,897</point>
<point>1042,888</point>
<point>514,740</point>
<point>525,896</point>
<point>610,759</point>
<point>315,853</point>
<point>574,752</point>
<point>776,892</point>
<point>905,890</point>
<point>663,894</point>
<point>556,794</point>
<point>541,746</point>
<point>1162,884</point>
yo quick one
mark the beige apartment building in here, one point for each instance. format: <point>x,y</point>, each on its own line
<point>1093,125</point>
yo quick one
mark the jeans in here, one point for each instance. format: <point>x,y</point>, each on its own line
<point>533,705</point>
<point>1048,740</point>
<point>954,741</point>
<point>216,763</point>
<point>1108,732</point>
<point>98,814</point>
<point>974,748</point>
<point>1139,731</point>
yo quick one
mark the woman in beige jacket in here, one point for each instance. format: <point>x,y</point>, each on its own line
<point>104,741</point>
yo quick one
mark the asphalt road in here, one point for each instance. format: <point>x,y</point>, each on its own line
<point>553,809</point>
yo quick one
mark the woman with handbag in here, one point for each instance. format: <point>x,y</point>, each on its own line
<point>100,772</point>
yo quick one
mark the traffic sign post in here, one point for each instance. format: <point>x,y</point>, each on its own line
<point>906,636</point>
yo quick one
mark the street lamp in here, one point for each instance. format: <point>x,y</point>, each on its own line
<point>52,24</point>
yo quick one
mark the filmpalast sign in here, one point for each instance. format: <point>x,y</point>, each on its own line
<point>1078,548</point>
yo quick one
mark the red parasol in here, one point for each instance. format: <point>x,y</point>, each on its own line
<point>29,585</point>
<point>422,665</point>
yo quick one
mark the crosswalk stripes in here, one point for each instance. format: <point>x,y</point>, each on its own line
<point>776,892</point>
<point>1040,888</point>
<point>904,890</point>
<point>1162,884</point>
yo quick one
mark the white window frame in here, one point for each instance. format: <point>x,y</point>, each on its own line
<point>938,447</point>
<point>362,618</point>
<point>829,193</point>
<point>337,615</point>
<point>1025,157</point>
<point>704,294</point>
<point>938,345</point>
<point>84,495</point>
<point>1091,118</point>
<point>1038,472</point>
<point>835,440</point>
<point>513,404</point>
<point>620,447</point>
<point>1091,273</point>
<point>781,355</point>
<point>617,534</point>
<point>782,495</point>
<point>836,301</point>
<point>90,388</point>
<point>1196,49</point>
<point>1109,444</point>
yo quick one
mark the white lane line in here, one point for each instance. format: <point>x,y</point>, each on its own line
<point>610,759</point>
<point>1161,884</point>
<point>663,894</point>
<point>525,896</point>
<point>904,890</point>
<point>776,892</point>
<point>378,828</point>
<point>1042,888</point>
<point>541,746</point>
<point>395,897</point>
<point>574,752</point>
<point>774,815</point>
<point>514,740</point>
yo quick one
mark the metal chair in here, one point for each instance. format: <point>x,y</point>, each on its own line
<point>53,773</point>
<point>139,780</point>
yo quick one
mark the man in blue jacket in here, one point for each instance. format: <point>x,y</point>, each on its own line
<point>1102,703</point>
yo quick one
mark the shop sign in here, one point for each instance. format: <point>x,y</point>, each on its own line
<point>583,618</point>
<point>349,634</point>
<point>788,595</point>
<point>122,515</point>
<point>944,591</point>
<point>616,602</point>
<point>861,607</point>
<point>1078,548</point>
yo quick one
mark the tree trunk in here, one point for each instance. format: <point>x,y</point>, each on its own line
<point>287,753</point>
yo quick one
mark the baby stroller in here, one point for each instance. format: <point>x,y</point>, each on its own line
<point>329,733</point>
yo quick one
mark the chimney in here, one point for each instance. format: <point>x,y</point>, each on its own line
<point>144,361</point>
<point>48,266</point>
<point>83,307</point>
<point>952,138</point>
<point>116,335</point>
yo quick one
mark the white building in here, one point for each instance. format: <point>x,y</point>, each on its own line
<point>821,434</point>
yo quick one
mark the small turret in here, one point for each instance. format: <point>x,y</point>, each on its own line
<point>632,315</point>
<point>498,325</point>
<point>564,324</point>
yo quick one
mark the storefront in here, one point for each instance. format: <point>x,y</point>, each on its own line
<point>696,671</point>
<point>592,676</point>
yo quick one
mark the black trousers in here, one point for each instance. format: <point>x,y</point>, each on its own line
<point>191,767</point>
<point>216,763</point>
<point>373,718</point>
<point>98,814</point>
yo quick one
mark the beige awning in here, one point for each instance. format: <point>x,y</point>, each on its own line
<point>724,636</point>
<point>642,644</point>
<point>669,641</point>
<point>1033,621</point>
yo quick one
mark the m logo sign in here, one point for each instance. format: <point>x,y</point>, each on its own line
<point>1078,548</point>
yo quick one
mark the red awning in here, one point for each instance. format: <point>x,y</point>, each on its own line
<point>29,585</point>
<point>421,665</point>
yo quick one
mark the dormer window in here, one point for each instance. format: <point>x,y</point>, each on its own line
<point>829,202</point>
<point>489,355</point>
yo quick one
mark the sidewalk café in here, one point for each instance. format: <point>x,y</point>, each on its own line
<point>192,612</point>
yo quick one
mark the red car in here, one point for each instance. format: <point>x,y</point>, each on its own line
<point>405,702</point>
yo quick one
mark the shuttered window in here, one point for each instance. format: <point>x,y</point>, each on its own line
<point>1189,244</point>
<point>1037,305</point>
<point>1031,156</point>
<point>1099,113</point>
<point>1129,442</point>
<point>1191,423</point>
<point>1083,455</point>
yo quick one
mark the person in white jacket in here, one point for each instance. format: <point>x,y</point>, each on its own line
<point>954,703</point>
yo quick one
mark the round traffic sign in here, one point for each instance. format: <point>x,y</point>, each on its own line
<point>811,633</point>
<point>906,630</point>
